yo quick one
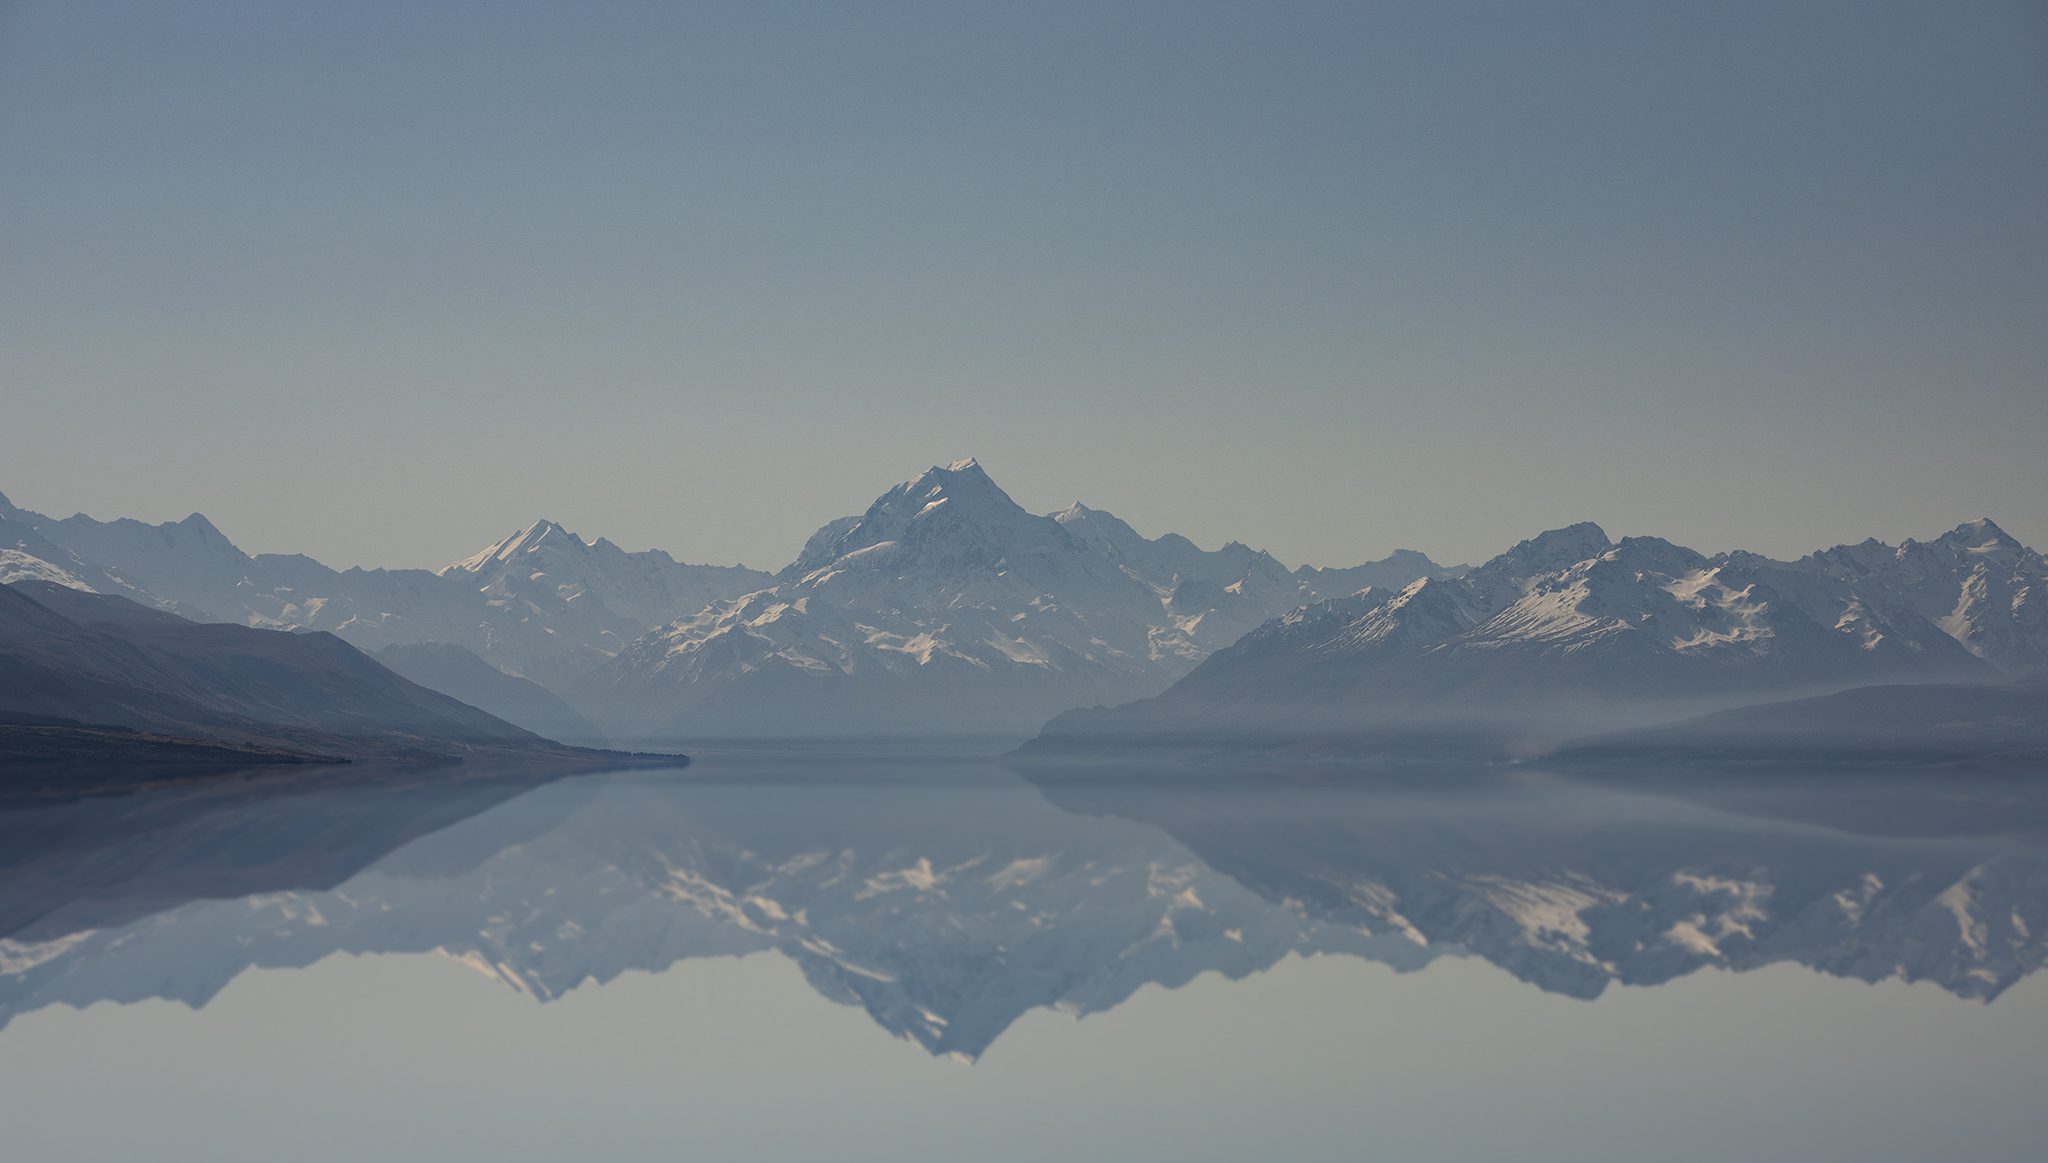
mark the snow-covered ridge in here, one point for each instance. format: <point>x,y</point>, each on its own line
<point>542,603</point>
<point>1571,623</point>
<point>945,606</point>
<point>527,540</point>
<point>1977,582</point>
<point>942,582</point>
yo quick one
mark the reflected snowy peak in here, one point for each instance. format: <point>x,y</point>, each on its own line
<point>948,899</point>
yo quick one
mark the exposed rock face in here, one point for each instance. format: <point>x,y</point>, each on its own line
<point>945,608</point>
<point>1570,631</point>
<point>542,604</point>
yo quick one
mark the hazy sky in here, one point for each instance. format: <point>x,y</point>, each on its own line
<point>383,282</point>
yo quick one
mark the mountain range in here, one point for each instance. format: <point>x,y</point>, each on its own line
<point>542,603</point>
<point>87,677</point>
<point>1571,632</point>
<point>947,608</point>
<point>943,608</point>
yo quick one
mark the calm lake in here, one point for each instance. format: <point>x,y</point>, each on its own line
<point>948,958</point>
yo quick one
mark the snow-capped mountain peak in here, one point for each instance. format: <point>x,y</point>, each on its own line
<point>953,512</point>
<point>1429,610</point>
<point>528,540</point>
<point>1982,538</point>
<point>947,606</point>
<point>542,603</point>
<point>1553,549</point>
<point>1570,626</point>
<point>1503,580</point>
<point>1102,528</point>
<point>961,479</point>
<point>1976,582</point>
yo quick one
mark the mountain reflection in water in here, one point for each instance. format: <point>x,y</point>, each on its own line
<point>948,898</point>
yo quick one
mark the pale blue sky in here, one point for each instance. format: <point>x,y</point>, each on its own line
<point>382,282</point>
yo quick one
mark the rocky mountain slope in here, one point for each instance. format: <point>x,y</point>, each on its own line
<point>1570,632</point>
<point>542,603</point>
<point>96,661</point>
<point>945,608</point>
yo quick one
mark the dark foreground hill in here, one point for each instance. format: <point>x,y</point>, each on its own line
<point>87,678</point>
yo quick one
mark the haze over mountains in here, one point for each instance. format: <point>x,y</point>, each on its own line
<point>74,664</point>
<point>2003,725</point>
<point>453,670</point>
<point>944,608</point>
<point>541,603</point>
<point>1571,632</point>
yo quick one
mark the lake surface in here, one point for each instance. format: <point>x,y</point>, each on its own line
<point>943,958</point>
